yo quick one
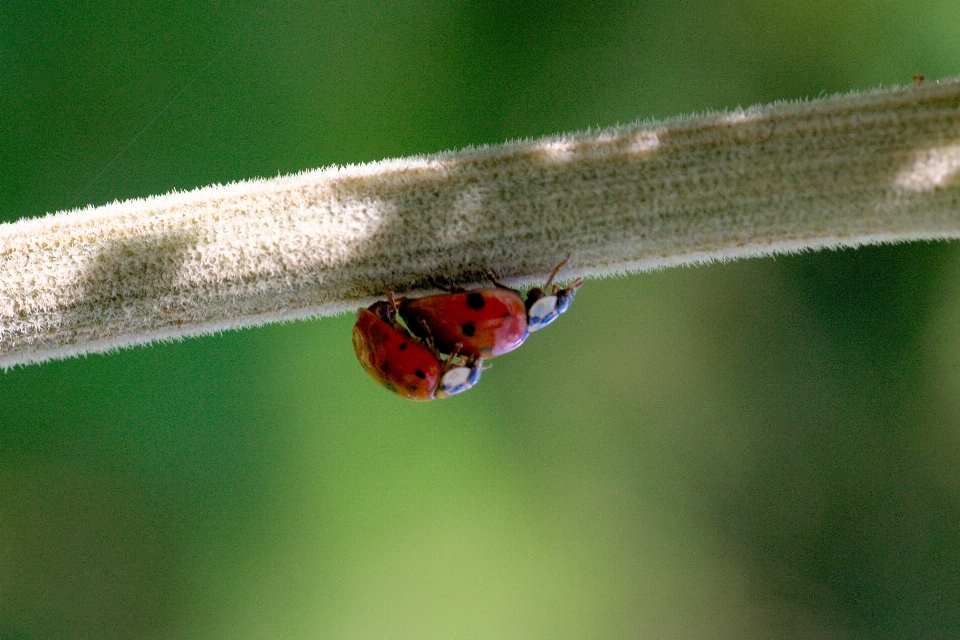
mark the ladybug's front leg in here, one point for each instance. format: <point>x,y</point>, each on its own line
<point>569,291</point>
<point>427,338</point>
<point>394,303</point>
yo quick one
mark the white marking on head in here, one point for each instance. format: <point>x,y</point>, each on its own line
<point>457,380</point>
<point>542,312</point>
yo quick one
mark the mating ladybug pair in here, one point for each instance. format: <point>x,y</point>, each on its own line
<point>451,334</point>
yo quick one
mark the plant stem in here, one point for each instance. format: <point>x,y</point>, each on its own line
<point>856,169</point>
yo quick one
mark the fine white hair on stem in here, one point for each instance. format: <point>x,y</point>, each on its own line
<point>862,168</point>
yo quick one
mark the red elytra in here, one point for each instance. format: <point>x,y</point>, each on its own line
<point>486,322</point>
<point>399,362</point>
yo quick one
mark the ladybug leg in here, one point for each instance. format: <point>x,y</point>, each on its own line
<point>442,285</point>
<point>469,361</point>
<point>492,277</point>
<point>428,340</point>
<point>472,362</point>
<point>393,302</point>
<point>576,284</point>
<point>453,355</point>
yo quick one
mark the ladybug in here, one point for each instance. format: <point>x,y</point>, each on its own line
<point>405,365</point>
<point>487,322</point>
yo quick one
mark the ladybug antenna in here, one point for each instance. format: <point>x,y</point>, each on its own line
<point>536,293</point>
<point>556,270</point>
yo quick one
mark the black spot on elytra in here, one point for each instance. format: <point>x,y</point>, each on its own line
<point>403,346</point>
<point>420,373</point>
<point>412,387</point>
<point>476,301</point>
<point>468,329</point>
<point>385,367</point>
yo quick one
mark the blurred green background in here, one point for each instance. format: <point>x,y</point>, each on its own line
<point>763,449</point>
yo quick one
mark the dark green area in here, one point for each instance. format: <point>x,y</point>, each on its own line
<point>762,449</point>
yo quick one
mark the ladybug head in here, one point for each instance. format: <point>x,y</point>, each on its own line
<point>458,379</point>
<point>384,311</point>
<point>544,309</point>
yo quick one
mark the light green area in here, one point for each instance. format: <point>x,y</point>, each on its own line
<point>752,450</point>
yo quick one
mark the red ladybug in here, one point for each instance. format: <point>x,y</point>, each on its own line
<point>404,365</point>
<point>487,322</point>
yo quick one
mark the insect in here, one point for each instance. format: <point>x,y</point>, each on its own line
<point>486,322</point>
<point>403,364</point>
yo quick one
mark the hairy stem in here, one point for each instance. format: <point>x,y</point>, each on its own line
<point>863,168</point>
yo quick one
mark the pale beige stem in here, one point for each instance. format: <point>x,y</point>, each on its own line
<point>842,171</point>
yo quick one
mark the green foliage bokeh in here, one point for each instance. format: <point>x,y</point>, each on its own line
<point>762,449</point>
